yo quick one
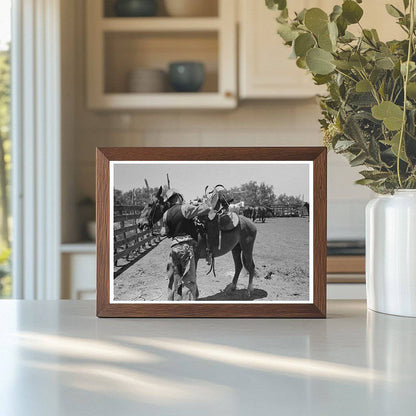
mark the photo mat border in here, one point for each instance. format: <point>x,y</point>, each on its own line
<point>232,309</point>
<point>225,162</point>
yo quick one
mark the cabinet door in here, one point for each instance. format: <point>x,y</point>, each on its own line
<point>265,68</point>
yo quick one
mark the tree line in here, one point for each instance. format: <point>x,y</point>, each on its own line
<point>261,194</point>
<point>252,193</point>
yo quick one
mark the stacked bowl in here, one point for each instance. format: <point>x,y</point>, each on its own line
<point>147,80</point>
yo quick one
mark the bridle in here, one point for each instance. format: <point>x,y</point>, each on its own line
<point>165,206</point>
<point>152,216</point>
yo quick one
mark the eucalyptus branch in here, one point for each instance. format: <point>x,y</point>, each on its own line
<point>406,80</point>
<point>378,121</point>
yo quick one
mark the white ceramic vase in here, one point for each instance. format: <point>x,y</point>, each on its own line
<point>391,253</point>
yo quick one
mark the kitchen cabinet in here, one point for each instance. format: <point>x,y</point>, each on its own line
<point>78,262</point>
<point>265,70</point>
<point>116,46</point>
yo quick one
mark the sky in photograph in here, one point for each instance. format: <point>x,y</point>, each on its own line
<point>5,21</point>
<point>191,179</point>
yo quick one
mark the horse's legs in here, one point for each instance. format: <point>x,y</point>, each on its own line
<point>247,245</point>
<point>196,267</point>
<point>189,281</point>
<point>171,279</point>
<point>238,265</point>
<point>249,265</point>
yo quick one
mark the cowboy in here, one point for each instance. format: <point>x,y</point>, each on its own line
<point>182,223</point>
<point>179,224</point>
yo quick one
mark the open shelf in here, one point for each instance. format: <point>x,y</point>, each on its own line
<point>116,46</point>
<point>130,101</point>
<point>160,24</point>
<point>127,51</point>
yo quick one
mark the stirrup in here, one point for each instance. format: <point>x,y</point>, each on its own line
<point>209,257</point>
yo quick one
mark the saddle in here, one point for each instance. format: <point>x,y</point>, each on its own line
<point>220,219</point>
<point>218,222</point>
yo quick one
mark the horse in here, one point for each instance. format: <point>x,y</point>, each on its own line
<point>240,240</point>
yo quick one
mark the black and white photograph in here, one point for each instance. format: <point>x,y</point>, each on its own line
<point>211,231</point>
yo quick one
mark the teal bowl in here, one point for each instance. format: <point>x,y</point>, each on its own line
<point>186,76</point>
<point>135,8</point>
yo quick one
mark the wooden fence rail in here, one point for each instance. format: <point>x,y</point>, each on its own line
<point>130,243</point>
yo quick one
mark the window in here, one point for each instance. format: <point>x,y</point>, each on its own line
<point>5,145</point>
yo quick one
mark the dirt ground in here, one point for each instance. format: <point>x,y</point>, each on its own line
<point>281,255</point>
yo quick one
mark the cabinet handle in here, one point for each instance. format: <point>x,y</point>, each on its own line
<point>228,94</point>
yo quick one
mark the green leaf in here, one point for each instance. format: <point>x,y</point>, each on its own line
<point>286,32</point>
<point>301,63</point>
<point>343,65</point>
<point>303,43</point>
<point>300,17</point>
<point>316,20</point>
<point>276,4</point>
<point>411,90</point>
<point>354,131</point>
<point>375,35</point>
<point>364,181</point>
<point>361,99</point>
<point>342,25</point>
<point>333,32</point>
<point>394,145</point>
<point>412,67</point>
<point>358,61</point>
<point>393,11</point>
<point>406,4</point>
<point>336,12</point>
<point>351,11</point>
<point>368,36</point>
<point>325,43</point>
<point>391,114</point>
<point>374,150</point>
<point>343,145</point>
<point>374,175</point>
<point>321,79</point>
<point>363,86</point>
<point>319,61</point>
<point>347,37</point>
<point>284,14</point>
<point>358,160</point>
<point>385,63</point>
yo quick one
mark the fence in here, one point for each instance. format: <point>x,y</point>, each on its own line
<point>130,243</point>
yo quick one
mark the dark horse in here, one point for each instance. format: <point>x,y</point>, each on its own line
<point>240,240</point>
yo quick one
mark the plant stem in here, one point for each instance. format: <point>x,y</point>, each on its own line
<point>345,75</point>
<point>406,80</point>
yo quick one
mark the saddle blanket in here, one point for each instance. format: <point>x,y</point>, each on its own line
<point>228,221</point>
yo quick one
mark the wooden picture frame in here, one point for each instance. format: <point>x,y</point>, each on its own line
<point>315,308</point>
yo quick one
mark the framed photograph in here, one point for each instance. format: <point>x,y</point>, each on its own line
<point>211,232</point>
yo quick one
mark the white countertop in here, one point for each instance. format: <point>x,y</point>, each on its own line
<point>57,359</point>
